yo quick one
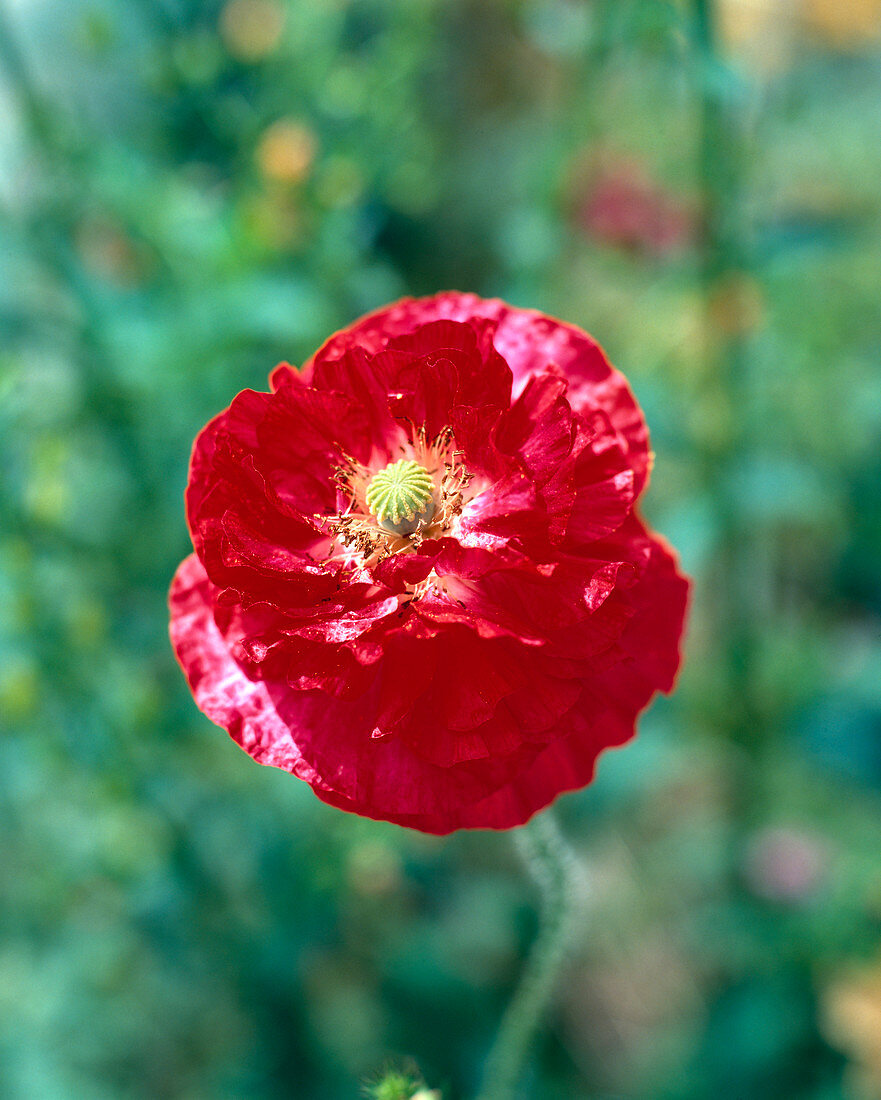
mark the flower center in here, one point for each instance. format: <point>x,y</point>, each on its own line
<point>401,496</point>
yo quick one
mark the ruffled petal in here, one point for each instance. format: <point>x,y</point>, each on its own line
<point>241,706</point>
<point>529,342</point>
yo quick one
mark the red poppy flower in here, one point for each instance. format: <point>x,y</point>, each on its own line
<point>419,582</point>
<point>622,206</point>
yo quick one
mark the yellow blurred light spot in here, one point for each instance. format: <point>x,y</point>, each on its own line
<point>251,29</point>
<point>286,151</point>
<point>851,1009</point>
<point>761,33</point>
<point>742,21</point>
<point>844,23</point>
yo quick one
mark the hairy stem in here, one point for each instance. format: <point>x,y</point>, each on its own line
<point>556,870</point>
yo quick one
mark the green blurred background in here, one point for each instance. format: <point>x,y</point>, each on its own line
<point>191,191</point>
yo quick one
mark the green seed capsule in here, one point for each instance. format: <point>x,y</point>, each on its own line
<point>401,496</point>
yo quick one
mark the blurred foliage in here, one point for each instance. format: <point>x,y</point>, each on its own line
<point>191,191</point>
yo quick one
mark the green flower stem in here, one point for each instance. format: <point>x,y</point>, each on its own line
<point>559,876</point>
<point>733,388</point>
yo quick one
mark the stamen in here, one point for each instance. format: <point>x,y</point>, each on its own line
<point>392,511</point>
